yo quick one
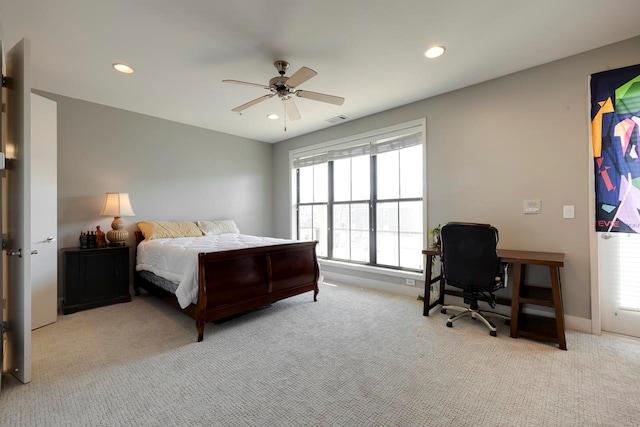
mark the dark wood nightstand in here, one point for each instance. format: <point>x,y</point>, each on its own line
<point>94,277</point>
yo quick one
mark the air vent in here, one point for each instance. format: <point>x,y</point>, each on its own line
<point>338,119</point>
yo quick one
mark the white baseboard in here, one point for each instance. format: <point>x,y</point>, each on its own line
<point>412,291</point>
<point>578,324</point>
<point>573,323</point>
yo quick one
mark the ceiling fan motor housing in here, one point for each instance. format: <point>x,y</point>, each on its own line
<point>279,85</point>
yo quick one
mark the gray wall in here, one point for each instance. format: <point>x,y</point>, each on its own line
<point>495,144</point>
<point>171,171</point>
<point>489,147</point>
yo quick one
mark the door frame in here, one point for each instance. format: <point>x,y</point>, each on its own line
<point>18,350</point>
<point>596,323</point>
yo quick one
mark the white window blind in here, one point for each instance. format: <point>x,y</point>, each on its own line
<point>393,144</point>
<point>312,160</point>
<point>622,258</point>
<point>359,147</point>
<point>629,268</point>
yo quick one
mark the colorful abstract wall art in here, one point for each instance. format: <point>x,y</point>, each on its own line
<point>615,135</point>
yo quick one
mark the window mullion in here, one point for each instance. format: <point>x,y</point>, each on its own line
<point>398,205</point>
<point>350,204</point>
<point>330,211</point>
<point>372,211</point>
<point>298,203</point>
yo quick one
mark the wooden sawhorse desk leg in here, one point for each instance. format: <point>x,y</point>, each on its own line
<point>557,304</point>
<point>536,327</point>
<point>429,279</point>
<point>516,307</point>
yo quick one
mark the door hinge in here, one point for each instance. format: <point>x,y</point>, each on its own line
<point>4,81</point>
<point>17,253</point>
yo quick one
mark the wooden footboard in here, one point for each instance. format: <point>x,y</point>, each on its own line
<point>236,281</point>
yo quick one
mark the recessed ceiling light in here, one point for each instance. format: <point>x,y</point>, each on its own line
<point>434,52</point>
<point>273,116</point>
<point>123,68</point>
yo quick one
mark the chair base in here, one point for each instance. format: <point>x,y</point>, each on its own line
<point>475,314</point>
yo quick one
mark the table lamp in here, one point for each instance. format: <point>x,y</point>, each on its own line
<point>117,205</point>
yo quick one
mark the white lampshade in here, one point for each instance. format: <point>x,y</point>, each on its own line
<point>116,205</point>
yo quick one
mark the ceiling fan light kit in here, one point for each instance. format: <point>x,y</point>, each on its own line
<point>285,88</point>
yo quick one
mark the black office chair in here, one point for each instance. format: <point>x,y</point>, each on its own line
<point>470,262</point>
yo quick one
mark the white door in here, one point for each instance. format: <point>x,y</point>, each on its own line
<point>619,281</point>
<point>44,205</point>
<point>18,211</point>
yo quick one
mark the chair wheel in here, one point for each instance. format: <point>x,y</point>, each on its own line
<point>443,310</point>
<point>449,325</point>
<point>493,333</point>
<point>507,322</point>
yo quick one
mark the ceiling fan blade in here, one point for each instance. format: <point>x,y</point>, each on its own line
<point>323,97</point>
<point>291,109</point>
<point>251,103</point>
<point>301,76</point>
<point>238,82</point>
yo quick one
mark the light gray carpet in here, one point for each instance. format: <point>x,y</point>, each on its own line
<point>355,358</point>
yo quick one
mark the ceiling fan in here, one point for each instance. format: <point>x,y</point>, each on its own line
<point>285,88</point>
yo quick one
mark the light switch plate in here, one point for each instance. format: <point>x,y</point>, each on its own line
<point>532,206</point>
<point>568,212</point>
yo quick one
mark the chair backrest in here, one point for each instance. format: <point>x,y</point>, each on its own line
<point>469,256</point>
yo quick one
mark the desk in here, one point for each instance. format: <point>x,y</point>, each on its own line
<point>522,324</point>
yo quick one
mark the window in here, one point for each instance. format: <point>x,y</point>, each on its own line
<point>362,200</point>
<point>312,206</point>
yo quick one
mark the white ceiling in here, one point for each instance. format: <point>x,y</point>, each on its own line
<point>368,51</point>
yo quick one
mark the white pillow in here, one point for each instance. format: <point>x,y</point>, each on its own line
<point>211,228</point>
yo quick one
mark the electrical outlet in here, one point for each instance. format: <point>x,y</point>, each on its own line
<point>410,282</point>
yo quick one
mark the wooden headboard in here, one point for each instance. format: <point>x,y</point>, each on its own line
<point>139,237</point>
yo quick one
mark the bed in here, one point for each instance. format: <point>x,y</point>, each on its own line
<point>211,272</point>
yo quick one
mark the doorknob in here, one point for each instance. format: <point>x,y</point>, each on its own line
<point>15,253</point>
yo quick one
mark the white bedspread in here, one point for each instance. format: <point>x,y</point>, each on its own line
<point>177,259</point>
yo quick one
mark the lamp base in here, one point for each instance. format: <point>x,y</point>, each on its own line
<point>117,237</point>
